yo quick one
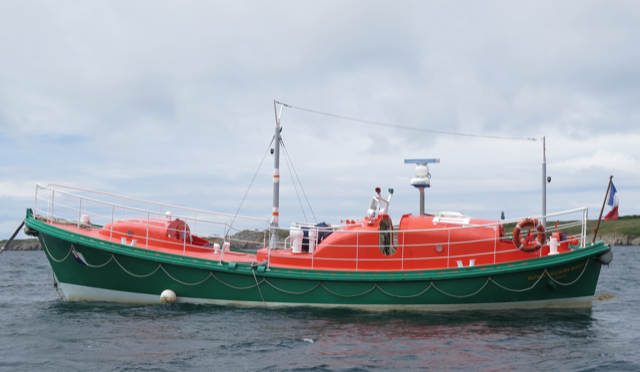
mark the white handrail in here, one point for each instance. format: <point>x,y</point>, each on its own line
<point>86,203</point>
<point>53,186</point>
<point>144,211</point>
<point>467,226</point>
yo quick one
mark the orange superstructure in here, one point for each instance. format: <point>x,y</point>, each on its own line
<point>423,242</point>
<point>420,243</point>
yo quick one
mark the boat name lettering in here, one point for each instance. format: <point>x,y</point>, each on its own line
<point>555,274</point>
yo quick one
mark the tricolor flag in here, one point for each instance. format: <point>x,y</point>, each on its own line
<point>613,203</point>
<point>78,256</point>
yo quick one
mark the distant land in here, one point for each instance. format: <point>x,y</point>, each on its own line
<point>625,231</point>
<point>22,245</point>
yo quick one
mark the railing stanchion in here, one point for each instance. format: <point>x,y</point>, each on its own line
<point>148,218</point>
<point>585,219</point>
<point>540,250</point>
<point>53,198</point>
<point>264,237</point>
<point>35,205</point>
<point>223,248</point>
<point>586,227</point>
<point>404,242</point>
<point>448,246</point>
<point>79,215</point>
<point>113,211</point>
<point>582,231</point>
<point>184,238</point>
<point>401,262</point>
<point>224,240</point>
<point>357,248</point>
<point>495,242</point>
<point>48,204</point>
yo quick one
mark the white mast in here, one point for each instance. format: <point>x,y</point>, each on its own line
<point>275,239</point>
<point>544,183</point>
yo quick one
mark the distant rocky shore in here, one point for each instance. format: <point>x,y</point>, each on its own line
<point>22,245</point>
<point>618,239</point>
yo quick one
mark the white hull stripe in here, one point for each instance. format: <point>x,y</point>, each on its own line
<point>75,292</point>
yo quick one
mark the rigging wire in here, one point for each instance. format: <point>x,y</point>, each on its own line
<point>249,188</point>
<point>409,128</point>
<point>296,174</point>
<point>287,160</point>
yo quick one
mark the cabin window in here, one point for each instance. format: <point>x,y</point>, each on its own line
<point>386,237</point>
<point>372,212</point>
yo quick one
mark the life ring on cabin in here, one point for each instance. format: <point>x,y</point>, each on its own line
<point>573,241</point>
<point>527,244</point>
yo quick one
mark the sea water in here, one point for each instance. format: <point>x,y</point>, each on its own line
<point>39,331</point>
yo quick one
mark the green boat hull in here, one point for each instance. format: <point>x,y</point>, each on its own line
<point>104,271</point>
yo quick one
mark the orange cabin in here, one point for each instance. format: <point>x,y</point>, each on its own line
<point>446,240</point>
<point>165,234</point>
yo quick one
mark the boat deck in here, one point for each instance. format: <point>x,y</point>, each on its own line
<point>188,250</point>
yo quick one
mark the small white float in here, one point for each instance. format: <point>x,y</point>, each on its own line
<point>168,296</point>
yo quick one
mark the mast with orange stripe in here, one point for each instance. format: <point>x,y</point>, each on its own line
<point>275,239</point>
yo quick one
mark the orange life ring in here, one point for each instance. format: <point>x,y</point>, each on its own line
<point>531,246</point>
<point>574,241</point>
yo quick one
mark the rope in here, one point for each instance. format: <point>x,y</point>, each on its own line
<point>90,265</point>
<point>53,258</point>
<point>55,284</point>
<point>230,286</point>
<point>135,275</point>
<point>287,160</point>
<point>294,293</point>
<point>544,272</point>
<point>249,188</point>
<point>519,290</point>
<point>566,284</point>
<point>409,128</point>
<point>399,296</point>
<point>347,296</point>
<point>258,285</point>
<point>298,178</point>
<point>465,296</point>
<point>181,282</point>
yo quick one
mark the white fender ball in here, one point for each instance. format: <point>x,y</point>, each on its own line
<point>168,297</point>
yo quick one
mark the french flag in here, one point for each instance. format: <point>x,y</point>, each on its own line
<point>613,202</point>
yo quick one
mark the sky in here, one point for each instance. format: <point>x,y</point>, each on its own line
<point>172,101</point>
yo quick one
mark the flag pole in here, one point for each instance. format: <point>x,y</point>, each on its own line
<point>595,232</point>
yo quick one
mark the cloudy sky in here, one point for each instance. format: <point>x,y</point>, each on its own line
<point>173,101</point>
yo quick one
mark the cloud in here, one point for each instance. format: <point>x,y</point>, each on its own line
<point>615,161</point>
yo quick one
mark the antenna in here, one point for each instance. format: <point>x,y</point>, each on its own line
<point>423,177</point>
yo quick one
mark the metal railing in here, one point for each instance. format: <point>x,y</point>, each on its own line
<point>446,242</point>
<point>67,205</point>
